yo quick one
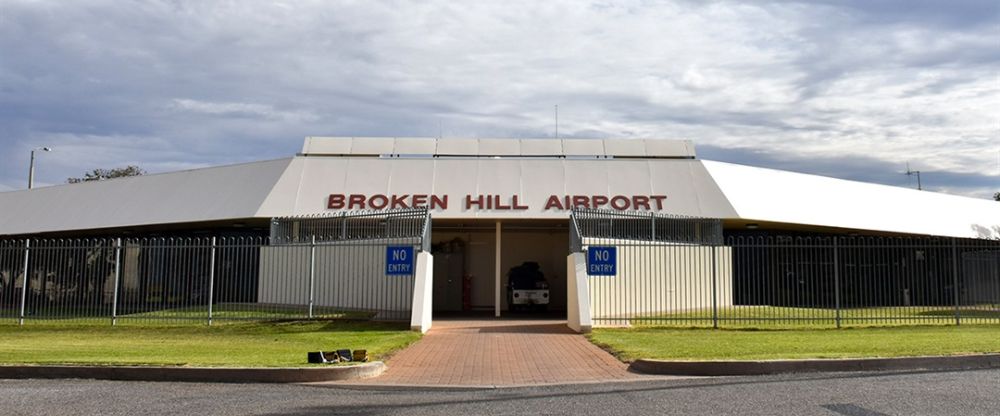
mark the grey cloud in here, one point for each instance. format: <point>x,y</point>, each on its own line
<point>959,14</point>
<point>105,80</point>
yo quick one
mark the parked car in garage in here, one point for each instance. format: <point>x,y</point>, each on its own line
<point>527,288</point>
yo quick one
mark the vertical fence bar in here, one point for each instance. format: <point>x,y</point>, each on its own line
<point>114,297</point>
<point>211,281</point>
<point>312,274</point>
<point>715,291</point>
<point>836,282</point>
<point>25,281</point>
<point>954,280</point>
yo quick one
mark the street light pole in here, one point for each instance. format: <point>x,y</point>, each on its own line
<point>31,166</point>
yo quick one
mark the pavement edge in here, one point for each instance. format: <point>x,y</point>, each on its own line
<point>748,368</point>
<point>197,374</point>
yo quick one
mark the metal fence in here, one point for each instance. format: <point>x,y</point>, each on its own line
<point>790,281</point>
<point>206,279</point>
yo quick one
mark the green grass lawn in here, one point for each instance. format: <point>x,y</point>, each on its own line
<point>762,316</point>
<point>707,344</point>
<point>269,344</point>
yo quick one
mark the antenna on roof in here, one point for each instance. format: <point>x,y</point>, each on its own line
<point>557,121</point>
<point>914,172</point>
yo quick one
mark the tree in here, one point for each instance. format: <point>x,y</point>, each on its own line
<point>102,174</point>
<point>996,196</point>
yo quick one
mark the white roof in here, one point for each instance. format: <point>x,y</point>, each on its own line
<point>490,147</point>
<point>760,194</point>
<point>303,184</point>
<point>217,193</point>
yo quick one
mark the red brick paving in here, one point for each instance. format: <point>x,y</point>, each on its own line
<point>501,352</point>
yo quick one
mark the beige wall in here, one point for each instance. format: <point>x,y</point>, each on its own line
<point>479,259</point>
<point>655,279</point>
<point>548,248</point>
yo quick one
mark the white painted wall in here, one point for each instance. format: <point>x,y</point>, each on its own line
<point>350,277</point>
<point>656,279</point>
<point>687,185</point>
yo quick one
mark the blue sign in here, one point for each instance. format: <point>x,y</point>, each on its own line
<point>602,261</point>
<point>399,260</point>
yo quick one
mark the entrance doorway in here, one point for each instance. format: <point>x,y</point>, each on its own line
<point>468,281</point>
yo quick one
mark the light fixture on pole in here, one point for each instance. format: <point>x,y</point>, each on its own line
<point>31,167</point>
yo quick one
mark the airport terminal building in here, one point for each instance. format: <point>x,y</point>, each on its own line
<point>495,204</point>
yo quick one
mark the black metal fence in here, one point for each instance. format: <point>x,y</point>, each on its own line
<point>209,279</point>
<point>791,281</point>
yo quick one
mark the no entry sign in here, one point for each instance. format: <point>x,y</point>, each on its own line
<point>602,260</point>
<point>399,260</point>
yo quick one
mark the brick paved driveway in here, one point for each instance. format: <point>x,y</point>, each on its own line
<point>492,352</point>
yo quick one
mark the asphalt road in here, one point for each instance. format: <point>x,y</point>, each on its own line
<point>854,394</point>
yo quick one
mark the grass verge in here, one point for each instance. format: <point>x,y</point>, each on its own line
<point>731,344</point>
<point>269,344</point>
<point>782,317</point>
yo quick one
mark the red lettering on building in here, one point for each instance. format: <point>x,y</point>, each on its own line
<point>495,202</point>
<point>518,207</point>
<point>356,199</point>
<point>619,202</point>
<point>469,202</point>
<point>553,202</point>
<point>336,201</point>
<point>640,201</point>
<point>419,200</point>
<point>399,201</point>
<point>439,202</point>
<point>378,201</point>
<point>659,201</point>
<point>498,204</point>
<point>598,200</point>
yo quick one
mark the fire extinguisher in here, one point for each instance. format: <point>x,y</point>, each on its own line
<point>466,292</point>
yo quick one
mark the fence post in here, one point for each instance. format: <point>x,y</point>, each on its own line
<point>211,281</point>
<point>652,226</point>
<point>343,225</point>
<point>114,299</point>
<point>25,281</point>
<point>715,295</point>
<point>312,274</point>
<point>836,281</point>
<point>954,280</point>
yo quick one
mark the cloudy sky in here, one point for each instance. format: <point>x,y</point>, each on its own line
<point>852,89</point>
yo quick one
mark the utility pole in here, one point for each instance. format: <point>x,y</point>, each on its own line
<point>31,166</point>
<point>914,172</point>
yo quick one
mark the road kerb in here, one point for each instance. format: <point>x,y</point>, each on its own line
<point>197,374</point>
<point>746,368</point>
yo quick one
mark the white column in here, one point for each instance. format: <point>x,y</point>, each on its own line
<point>423,293</point>
<point>578,293</point>
<point>496,287</point>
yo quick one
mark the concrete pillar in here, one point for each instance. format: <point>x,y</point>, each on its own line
<point>423,292</point>
<point>578,293</point>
